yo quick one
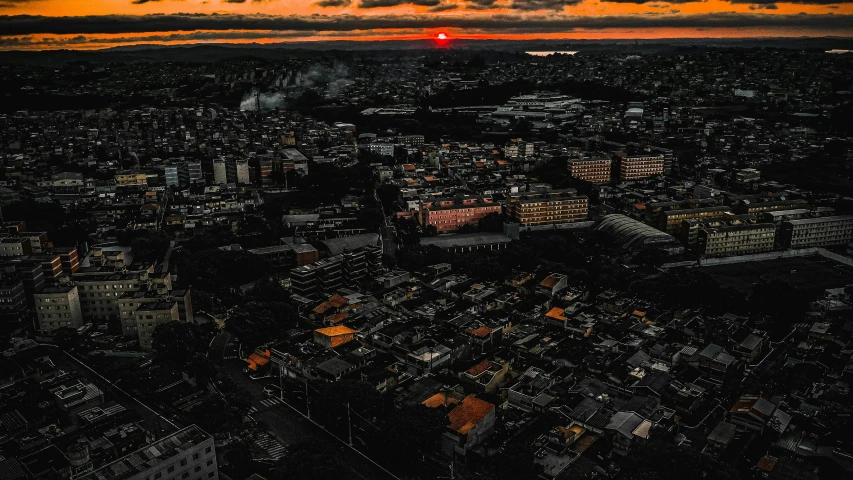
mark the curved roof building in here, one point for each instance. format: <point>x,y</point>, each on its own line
<point>631,234</point>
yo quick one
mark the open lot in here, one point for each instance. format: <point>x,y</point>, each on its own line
<point>813,274</point>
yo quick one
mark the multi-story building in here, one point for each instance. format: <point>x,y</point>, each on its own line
<point>237,171</point>
<point>448,215</point>
<point>190,173</point>
<point>633,168</point>
<point>220,172</point>
<point>550,207</point>
<point>594,170</point>
<point>51,265</point>
<point>816,232</point>
<point>736,240</point>
<point>670,221</point>
<point>13,300</point>
<point>57,307</point>
<point>326,276</point>
<point>131,178</point>
<point>69,259</point>
<point>171,176</point>
<point>186,454</point>
<point>100,293</point>
<point>263,170</point>
<point>15,247</point>
<point>149,316</point>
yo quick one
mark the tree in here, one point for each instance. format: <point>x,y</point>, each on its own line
<point>216,268</point>
<point>258,323</point>
<point>177,343</point>
<point>149,244</point>
<point>492,222</point>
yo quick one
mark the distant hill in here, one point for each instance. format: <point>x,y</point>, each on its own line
<point>223,51</point>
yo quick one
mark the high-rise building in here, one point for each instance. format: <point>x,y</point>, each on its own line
<point>594,170</point>
<point>220,172</point>
<point>172,177</point>
<point>189,173</point>
<point>238,172</point>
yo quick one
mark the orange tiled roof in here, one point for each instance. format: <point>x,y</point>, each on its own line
<point>409,167</point>
<point>766,464</point>
<point>440,399</point>
<point>338,301</point>
<point>322,308</point>
<point>549,282</point>
<point>479,368</point>
<point>557,314</point>
<point>336,330</point>
<point>483,331</point>
<point>256,359</point>
<point>469,414</point>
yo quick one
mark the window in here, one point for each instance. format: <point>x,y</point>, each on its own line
<point>195,456</point>
<point>207,450</point>
<point>184,462</point>
<point>185,475</point>
<point>158,475</point>
<point>170,469</point>
<point>197,468</point>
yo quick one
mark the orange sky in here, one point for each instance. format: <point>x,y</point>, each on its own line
<point>782,20</point>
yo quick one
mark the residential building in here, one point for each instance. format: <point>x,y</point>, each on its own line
<point>669,221</point>
<point>736,240</point>
<point>594,170</point>
<point>13,300</point>
<point>633,168</point>
<point>546,208</point>
<point>15,247</point>
<point>186,454</point>
<point>131,178</point>
<point>58,307</point>
<point>149,316</point>
<point>189,173</point>
<point>816,232</point>
<point>449,214</point>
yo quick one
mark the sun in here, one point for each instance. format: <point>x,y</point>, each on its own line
<point>441,36</point>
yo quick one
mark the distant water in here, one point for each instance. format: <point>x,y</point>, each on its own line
<point>836,50</point>
<point>545,54</point>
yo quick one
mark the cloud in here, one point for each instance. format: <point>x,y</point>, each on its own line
<point>497,23</point>
<point>642,2</point>
<point>534,5</point>
<point>764,6</point>
<point>334,3</point>
<point>797,2</point>
<point>444,7</point>
<point>395,3</point>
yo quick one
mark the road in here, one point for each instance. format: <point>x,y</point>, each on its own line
<point>288,426</point>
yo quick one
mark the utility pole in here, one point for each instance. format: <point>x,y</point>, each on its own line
<point>349,425</point>
<point>307,405</point>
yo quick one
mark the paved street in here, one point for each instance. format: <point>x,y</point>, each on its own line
<point>286,425</point>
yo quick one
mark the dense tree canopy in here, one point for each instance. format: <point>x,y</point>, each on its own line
<point>261,322</point>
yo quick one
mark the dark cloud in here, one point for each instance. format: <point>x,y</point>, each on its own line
<point>444,7</point>
<point>797,2</point>
<point>395,3</point>
<point>534,5</point>
<point>142,2</point>
<point>334,3</point>
<point>764,6</point>
<point>500,23</point>
<point>643,2</point>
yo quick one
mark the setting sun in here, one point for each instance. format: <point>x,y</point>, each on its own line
<point>441,36</point>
